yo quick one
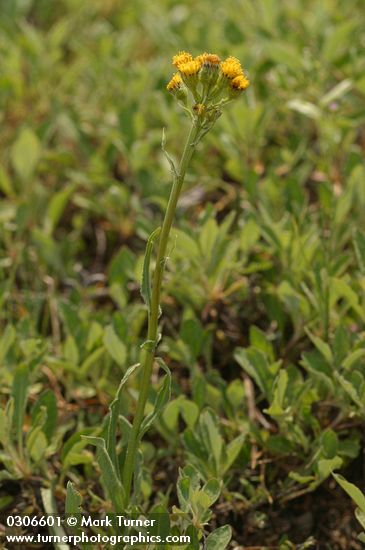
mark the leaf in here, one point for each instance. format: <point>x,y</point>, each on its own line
<point>115,347</point>
<point>322,347</point>
<point>25,153</point>
<point>73,500</point>
<point>183,492</point>
<point>162,399</point>
<point>360,516</point>
<point>5,183</point>
<point>254,362</point>
<point>326,466</point>
<point>300,478</point>
<point>189,411</point>
<point>146,280</point>
<point>168,157</point>
<point>109,476</point>
<point>259,340</point>
<point>90,361</point>
<point>219,538</point>
<point>4,428</point>
<point>277,406</point>
<point>354,492</point>
<point>316,365</point>
<point>50,507</point>
<point>37,444</point>
<point>193,335</point>
<point>336,92</point>
<point>187,408</point>
<point>208,237</point>
<point>194,445</point>
<point>236,393</point>
<point>306,108</point>
<point>250,234</point>
<point>114,409</point>
<point>56,207</point>
<point>73,507</point>
<point>330,443</point>
<point>359,246</point>
<point>341,289</point>
<point>350,390</point>
<point>7,341</point>
<point>36,441</point>
<point>232,451</point>
<point>212,490</point>
<point>48,400</point>
<point>353,358</point>
<point>19,392</point>
<point>212,438</point>
<point>171,413</point>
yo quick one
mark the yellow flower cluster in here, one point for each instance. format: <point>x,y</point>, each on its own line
<point>207,77</point>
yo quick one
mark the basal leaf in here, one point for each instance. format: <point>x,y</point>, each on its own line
<point>110,478</point>
<point>219,538</point>
<point>354,492</point>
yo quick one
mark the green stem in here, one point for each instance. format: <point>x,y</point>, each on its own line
<point>148,355</point>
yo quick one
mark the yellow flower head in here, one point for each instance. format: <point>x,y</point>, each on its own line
<point>174,83</point>
<point>180,58</point>
<point>209,69</point>
<point>231,68</point>
<point>177,88</point>
<point>190,68</point>
<point>240,83</point>
<point>210,59</point>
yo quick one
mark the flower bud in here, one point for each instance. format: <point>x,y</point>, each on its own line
<point>209,68</point>
<point>238,85</point>
<point>176,87</point>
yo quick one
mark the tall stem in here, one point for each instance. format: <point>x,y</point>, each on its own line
<point>148,355</point>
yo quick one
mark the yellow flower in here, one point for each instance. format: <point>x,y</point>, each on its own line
<point>240,83</point>
<point>231,68</point>
<point>180,58</point>
<point>209,69</point>
<point>189,73</point>
<point>210,59</point>
<point>174,83</point>
<point>189,68</point>
<point>177,88</point>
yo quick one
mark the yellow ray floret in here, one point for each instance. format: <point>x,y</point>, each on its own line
<point>231,68</point>
<point>180,58</point>
<point>240,83</point>
<point>174,83</point>
<point>210,59</point>
<point>190,68</point>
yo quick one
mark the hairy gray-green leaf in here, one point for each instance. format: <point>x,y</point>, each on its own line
<point>110,478</point>
<point>219,538</point>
